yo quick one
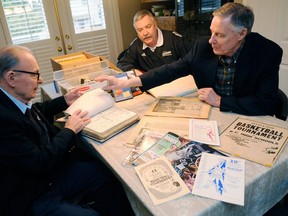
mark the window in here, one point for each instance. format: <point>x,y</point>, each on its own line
<point>26,20</point>
<point>88,15</point>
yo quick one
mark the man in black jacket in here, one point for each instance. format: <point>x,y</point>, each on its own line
<point>153,47</point>
<point>234,69</point>
<point>42,169</point>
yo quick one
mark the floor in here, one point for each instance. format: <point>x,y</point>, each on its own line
<point>280,209</point>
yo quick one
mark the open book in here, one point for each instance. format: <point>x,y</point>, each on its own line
<point>107,119</point>
<point>179,87</point>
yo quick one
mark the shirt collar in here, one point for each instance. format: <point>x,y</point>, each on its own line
<point>160,41</point>
<point>237,53</point>
<point>18,103</point>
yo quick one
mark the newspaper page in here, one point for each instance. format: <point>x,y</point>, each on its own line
<point>160,181</point>
<point>179,107</point>
<point>221,178</point>
<point>254,140</point>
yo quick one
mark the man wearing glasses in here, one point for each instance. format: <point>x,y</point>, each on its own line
<point>42,170</point>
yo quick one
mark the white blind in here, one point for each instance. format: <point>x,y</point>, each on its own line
<point>26,20</point>
<point>88,15</point>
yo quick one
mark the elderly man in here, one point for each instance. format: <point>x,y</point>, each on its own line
<point>42,169</point>
<point>153,47</point>
<point>235,69</point>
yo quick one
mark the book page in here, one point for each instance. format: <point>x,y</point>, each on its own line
<point>254,140</point>
<point>179,87</point>
<point>94,102</point>
<point>161,181</point>
<point>204,131</point>
<point>221,178</point>
<point>179,107</point>
<point>108,119</point>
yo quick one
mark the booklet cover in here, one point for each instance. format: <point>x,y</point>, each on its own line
<point>160,181</point>
<point>221,178</point>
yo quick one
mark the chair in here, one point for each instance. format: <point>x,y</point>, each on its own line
<point>282,110</point>
<point>121,54</point>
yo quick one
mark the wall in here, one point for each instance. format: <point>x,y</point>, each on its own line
<point>271,20</point>
<point>127,9</point>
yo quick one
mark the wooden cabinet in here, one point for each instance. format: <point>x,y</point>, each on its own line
<point>191,18</point>
<point>164,22</point>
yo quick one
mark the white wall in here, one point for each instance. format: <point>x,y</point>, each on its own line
<point>271,20</point>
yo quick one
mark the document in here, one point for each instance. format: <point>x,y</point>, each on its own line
<point>161,181</point>
<point>179,107</point>
<point>221,178</point>
<point>106,119</point>
<point>179,87</point>
<point>205,131</point>
<point>253,140</point>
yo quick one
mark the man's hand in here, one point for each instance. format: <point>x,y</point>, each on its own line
<point>208,95</point>
<point>115,83</point>
<point>72,96</point>
<point>77,121</point>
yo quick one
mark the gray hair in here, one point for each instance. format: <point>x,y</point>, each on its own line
<point>10,57</point>
<point>241,16</point>
<point>140,14</point>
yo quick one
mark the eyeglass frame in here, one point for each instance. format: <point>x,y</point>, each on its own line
<point>28,72</point>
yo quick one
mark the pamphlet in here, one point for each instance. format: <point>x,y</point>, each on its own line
<point>205,131</point>
<point>160,181</point>
<point>221,178</point>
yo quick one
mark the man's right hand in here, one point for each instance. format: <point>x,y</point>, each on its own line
<point>77,121</point>
<point>115,83</point>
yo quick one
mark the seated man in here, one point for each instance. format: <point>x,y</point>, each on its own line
<point>153,47</point>
<point>42,169</point>
<point>235,69</point>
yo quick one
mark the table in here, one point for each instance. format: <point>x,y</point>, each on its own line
<point>264,186</point>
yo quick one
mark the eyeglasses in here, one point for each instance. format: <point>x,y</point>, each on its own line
<point>35,74</point>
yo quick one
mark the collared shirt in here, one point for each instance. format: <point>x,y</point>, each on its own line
<point>225,73</point>
<point>160,41</point>
<point>18,103</point>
